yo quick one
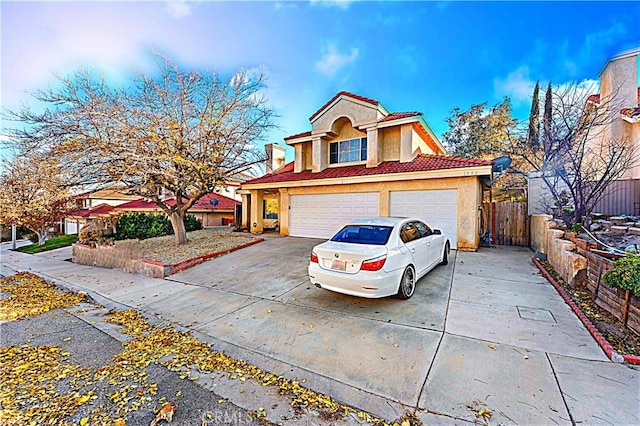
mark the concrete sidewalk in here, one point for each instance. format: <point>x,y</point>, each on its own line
<point>485,329</point>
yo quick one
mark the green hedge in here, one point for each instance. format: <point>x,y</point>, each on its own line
<point>625,274</point>
<point>140,226</point>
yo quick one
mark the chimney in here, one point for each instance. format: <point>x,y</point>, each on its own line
<point>275,157</point>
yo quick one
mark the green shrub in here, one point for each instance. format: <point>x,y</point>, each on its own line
<point>140,226</point>
<point>625,274</point>
<point>192,223</point>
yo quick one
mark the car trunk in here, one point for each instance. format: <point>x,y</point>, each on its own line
<point>346,257</point>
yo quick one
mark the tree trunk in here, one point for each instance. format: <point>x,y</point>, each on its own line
<point>42,236</point>
<point>179,231</point>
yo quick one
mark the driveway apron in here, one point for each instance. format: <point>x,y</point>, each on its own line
<point>486,330</point>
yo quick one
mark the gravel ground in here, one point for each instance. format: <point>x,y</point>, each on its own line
<point>210,240</point>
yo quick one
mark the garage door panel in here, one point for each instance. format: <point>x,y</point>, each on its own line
<point>438,208</point>
<point>322,215</point>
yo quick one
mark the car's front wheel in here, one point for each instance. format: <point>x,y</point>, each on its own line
<point>445,255</point>
<point>407,283</point>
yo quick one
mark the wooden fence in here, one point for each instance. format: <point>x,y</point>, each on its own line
<point>509,223</point>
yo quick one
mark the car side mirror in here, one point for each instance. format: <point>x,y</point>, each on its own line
<point>437,232</point>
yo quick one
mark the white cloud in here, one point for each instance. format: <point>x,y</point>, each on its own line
<point>340,4</point>
<point>517,85</point>
<point>578,92</point>
<point>178,8</point>
<point>333,60</point>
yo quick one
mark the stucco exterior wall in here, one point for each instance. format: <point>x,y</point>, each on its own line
<point>343,129</point>
<point>469,199</point>
<point>417,143</point>
<point>390,143</point>
<point>633,132</point>
<point>357,113</point>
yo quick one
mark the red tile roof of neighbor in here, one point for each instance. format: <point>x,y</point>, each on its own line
<point>224,203</point>
<point>629,112</point>
<point>95,211</point>
<point>422,163</point>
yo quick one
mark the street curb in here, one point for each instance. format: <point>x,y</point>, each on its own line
<point>604,344</point>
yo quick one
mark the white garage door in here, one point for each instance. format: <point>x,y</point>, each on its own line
<point>438,208</point>
<point>71,227</point>
<point>321,216</point>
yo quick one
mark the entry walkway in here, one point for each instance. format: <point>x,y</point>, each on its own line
<point>485,329</point>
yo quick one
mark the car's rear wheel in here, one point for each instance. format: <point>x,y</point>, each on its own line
<point>445,255</point>
<point>407,283</point>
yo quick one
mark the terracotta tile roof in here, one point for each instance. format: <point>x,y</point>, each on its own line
<point>100,209</point>
<point>298,135</point>
<point>343,93</point>
<point>224,203</point>
<point>631,112</point>
<point>138,204</point>
<point>594,98</point>
<point>399,115</point>
<point>422,163</point>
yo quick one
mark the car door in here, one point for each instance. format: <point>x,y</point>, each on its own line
<point>429,240</point>
<point>412,238</point>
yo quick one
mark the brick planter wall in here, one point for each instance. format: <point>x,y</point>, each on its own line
<point>123,257</point>
<point>126,258</point>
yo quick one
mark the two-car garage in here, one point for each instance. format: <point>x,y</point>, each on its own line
<point>322,215</point>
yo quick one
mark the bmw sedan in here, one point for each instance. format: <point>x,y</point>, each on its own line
<point>378,257</point>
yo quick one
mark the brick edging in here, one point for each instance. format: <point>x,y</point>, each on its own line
<point>604,344</point>
<point>186,264</point>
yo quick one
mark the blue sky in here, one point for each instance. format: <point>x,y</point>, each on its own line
<point>410,56</point>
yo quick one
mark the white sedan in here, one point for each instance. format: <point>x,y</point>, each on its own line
<point>378,257</point>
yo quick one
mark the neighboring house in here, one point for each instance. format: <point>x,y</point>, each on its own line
<point>88,201</point>
<point>360,160</point>
<point>92,205</point>
<point>619,87</point>
<point>620,94</point>
<point>75,220</point>
<point>212,209</point>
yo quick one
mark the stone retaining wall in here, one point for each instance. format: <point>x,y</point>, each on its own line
<point>578,265</point>
<point>561,254</point>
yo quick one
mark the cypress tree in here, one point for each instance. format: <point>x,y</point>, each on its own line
<point>547,118</point>
<point>534,119</point>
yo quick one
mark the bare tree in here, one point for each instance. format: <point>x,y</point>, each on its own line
<point>31,193</point>
<point>579,158</point>
<point>172,137</point>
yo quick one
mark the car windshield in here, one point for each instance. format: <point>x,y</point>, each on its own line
<point>363,234</point>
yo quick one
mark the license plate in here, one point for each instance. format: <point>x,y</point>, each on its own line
<point>339,265</point>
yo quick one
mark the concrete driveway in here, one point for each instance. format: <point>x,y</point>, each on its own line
<point>485,329</point>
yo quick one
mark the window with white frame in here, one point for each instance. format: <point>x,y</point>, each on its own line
<point>348,151</point>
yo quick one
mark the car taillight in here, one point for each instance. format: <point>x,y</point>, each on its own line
<point>373,264</point>
<point>314,258</point>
